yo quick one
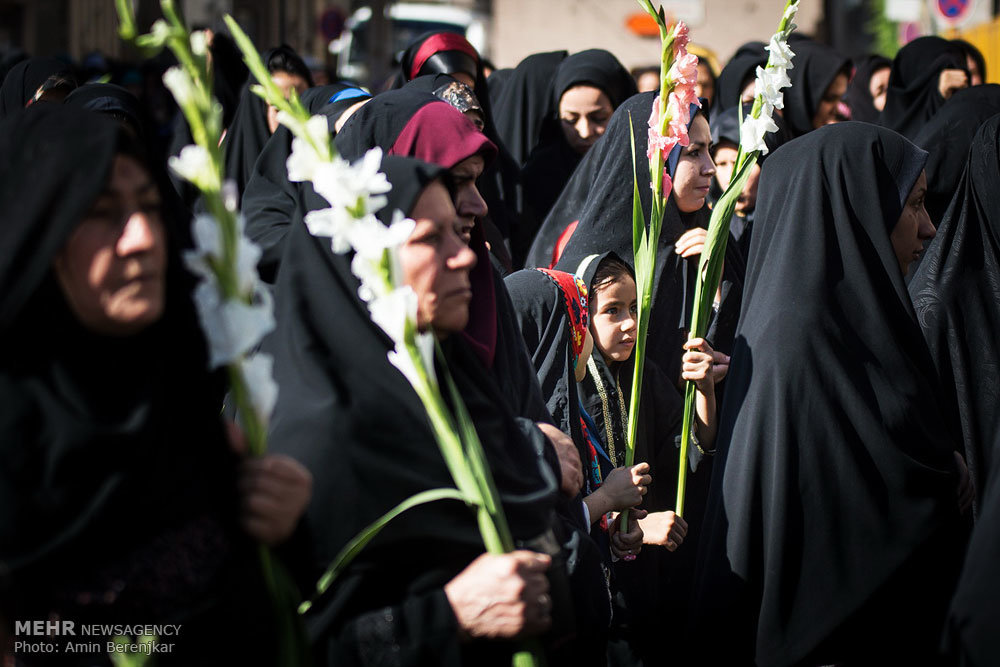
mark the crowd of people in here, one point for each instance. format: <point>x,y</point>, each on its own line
<point>843,506</point>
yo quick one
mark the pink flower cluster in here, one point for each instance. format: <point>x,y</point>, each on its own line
<point>681,79</point>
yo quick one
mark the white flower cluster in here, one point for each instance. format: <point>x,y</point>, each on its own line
<point>233,326</point>
<point>770,81</point>
<point>355,192</point>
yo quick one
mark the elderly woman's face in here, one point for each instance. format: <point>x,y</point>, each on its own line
<point>436,263</point>
<point>112,269</point>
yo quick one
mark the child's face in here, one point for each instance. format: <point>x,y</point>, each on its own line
<point>613,318</point>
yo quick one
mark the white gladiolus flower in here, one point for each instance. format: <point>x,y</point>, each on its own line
<point>194,164</point>
<point>753,130</point>
<point>359,187</point>
<point>790,12</point>
<point>769,84</point>
<point>247,255</point>
<point>781,54</point>
<point>181,86</point>
<point>231,196</point>
<point>392,310</point>
<point>333,222</point>
<point>303,162</point>
<point>199,43</point>
<point>233,328</point>
<point>160,32</point>
<point>259,380</point>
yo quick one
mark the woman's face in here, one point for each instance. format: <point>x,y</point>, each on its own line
<point>113,267</point>
<point>695,169</point>
<point>826,112</point>
<point>914,226</point>
<point>468,202</point>
<point>648,82</point>
<point>613,318</point>
<point>584,112</point>
<point>436,263</point>
<point>975,76</point>
<point>285,81</point>
<point>878,86</point>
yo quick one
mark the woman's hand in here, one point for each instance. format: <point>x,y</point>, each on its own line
<point>691,242</point>
<point>965,491</point>
<point>952,80</point>
<point>703,365</point>
<point>502,596</point>
<point>664,529</point>
<point>274,492</point>
<point>627,545</point>
<point>569,459</point>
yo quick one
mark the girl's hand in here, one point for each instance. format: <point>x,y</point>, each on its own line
<point>703,365</point>
<point>625,487</point>
<point>627,545</point>
<point>664,529</point>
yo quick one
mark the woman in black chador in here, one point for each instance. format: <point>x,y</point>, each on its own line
<point>119,498</point>
<point>833,530</point>
<point>956,292</point>
<point>924,74</point>
<point>417,594</point>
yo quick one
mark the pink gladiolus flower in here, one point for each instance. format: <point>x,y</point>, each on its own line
<point>668,183</point>
<point>681,36</point>
<point>684,69</point>
<point>658,142</point>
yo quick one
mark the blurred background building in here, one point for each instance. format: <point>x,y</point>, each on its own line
<point>360,37</point>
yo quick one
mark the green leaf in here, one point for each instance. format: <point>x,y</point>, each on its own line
<point>354,547</point>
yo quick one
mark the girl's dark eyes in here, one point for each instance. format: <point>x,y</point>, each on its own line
<point>611,311</point>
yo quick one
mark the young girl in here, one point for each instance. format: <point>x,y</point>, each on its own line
<point>649,588</point>
<point>552,313</point>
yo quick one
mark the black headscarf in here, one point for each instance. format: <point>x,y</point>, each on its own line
<point>834,487</point>
<point>551,165</point>
<point>248,131</point>
<point>107,98</point>
<point>815,67</point>
<point>270,199</point>
<point>355,421</point>
<point>543,318</point>
<point>525,102</point>
<point>739,71</point>
<point>913,97</point>
<point>955,294</point>
<point>99,431</point>
<point>859,95</point>
<point>947,137</point>
<point>24,80</point>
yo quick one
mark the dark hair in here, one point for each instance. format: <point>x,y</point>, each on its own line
<point>640,71</point>
<point>284,59</point>
<point>610,270</point>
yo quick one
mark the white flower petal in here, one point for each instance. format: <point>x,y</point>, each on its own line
<point>194,164</point>
<point>180,85</point>
<point>769,84</point>
<point>392,311</point>
<point>781,54</point>
<point>258,373</point>
<point>199,43</point>
<point>232,328</point>
<point>335,223</point>
<point>302,162</point>
<point>752,133</point>
<point>404,362</point>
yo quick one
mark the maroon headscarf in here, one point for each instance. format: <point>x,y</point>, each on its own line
<point>440,134</point>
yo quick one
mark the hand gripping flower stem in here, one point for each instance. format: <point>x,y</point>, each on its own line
<point>234,309</point>
<point>770,80</point>
<point>667,128</point>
